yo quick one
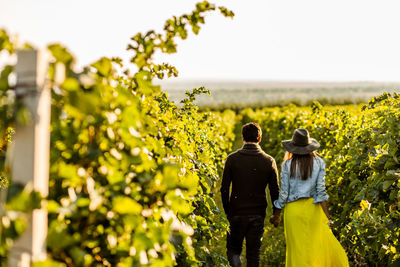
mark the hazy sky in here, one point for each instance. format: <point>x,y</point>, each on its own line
<point>336,40</point>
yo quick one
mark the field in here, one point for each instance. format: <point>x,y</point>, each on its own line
<point>241,94</point>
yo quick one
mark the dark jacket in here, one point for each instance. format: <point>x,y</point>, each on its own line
<point>250,170</point>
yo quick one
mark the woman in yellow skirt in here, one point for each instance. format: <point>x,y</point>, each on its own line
<point>309,239</point>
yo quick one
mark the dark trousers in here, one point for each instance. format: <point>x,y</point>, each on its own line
<point>250,227</point>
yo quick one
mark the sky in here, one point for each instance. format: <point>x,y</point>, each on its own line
<point>307,40</point>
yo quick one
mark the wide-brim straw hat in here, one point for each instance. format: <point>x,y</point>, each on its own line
<point>301,143</point>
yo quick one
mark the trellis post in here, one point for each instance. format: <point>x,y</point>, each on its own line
<point>30,153</point>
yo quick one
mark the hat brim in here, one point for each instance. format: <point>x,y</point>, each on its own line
<point>301,150</point>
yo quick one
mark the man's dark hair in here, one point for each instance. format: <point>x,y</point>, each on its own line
<point>251,132</point>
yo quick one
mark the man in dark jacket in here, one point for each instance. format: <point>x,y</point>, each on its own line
<point>250,170</point>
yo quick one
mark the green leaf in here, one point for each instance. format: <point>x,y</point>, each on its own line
<point>58,237</point>
<point>126,205</point>
<point>5,42</point>
<point>386,184</point>
<point>80,257</point>
<point>83,202</point>
<point>70,84</point>
<point>26,200</point>
<point>103,66</point>
<point>48,263</point>
<point>52,206</point>
<point>61,54</point>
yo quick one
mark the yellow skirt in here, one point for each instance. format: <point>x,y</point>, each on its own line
<point>309,240</point>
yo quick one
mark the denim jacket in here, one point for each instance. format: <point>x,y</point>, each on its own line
<point>293,189</point>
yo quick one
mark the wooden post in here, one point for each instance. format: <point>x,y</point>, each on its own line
<point>30,153</point>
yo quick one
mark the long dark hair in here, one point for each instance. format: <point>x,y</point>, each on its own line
<point>304,163</point>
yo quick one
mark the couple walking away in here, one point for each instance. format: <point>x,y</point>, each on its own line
<point>302,195</point>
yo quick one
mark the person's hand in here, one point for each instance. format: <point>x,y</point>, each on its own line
<point>275,220</point>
